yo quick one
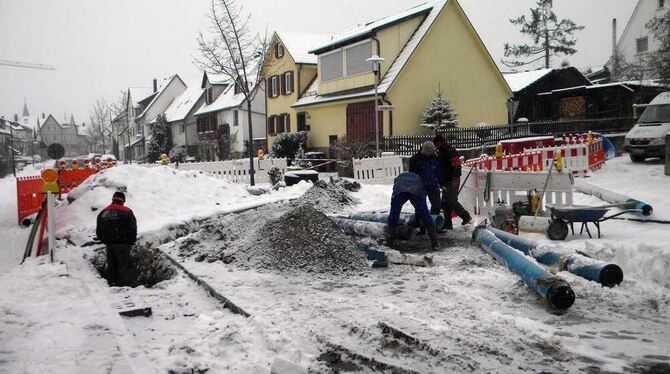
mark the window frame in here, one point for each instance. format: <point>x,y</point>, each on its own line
<point>644,39</point>
<point>236,118</point>
<point>288,83</point>
<point>343,58</point>
<point>209,97</point>
<point>280,50</point>
<point>661,4</point>
<point>274,86</point>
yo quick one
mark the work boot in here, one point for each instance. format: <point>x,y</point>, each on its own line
<point>390,235</point>
<point>447,224</point>
<point>432,234</point>
<point>466,218</point>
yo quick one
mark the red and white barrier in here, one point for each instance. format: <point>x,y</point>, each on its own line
<point>579,156</point>
<point>530,161</point>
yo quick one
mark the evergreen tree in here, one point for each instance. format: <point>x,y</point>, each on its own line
<point>551,37</point>
<point>439,112</point>
<point>160,139</point>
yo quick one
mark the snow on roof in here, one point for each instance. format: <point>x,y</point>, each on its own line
<point>373,26</point>
<point>519,81</point>
<point>162,87</point>
<point>396,67</point>
<point>299,45</point>
<point>182,104</point>
<point>214,78</point>
<point>228,99</point>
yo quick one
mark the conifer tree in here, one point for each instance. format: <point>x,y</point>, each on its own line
<point>439,112</point>
<point>160,139</point>
<point>550,37</point>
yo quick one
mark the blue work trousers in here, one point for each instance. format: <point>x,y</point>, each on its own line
<point>419,204</point>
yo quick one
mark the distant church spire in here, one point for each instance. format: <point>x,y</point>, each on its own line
<point>26,113</point>
<point>72,119</point>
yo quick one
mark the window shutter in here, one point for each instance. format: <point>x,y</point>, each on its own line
<point>268,86</point>
<point>291,81</point>
<point>287,122</point>
<point>275,85</point>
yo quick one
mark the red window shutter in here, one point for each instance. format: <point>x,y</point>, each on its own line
<point>287,122</point>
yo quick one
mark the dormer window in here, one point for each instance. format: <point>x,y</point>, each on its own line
<point>346,62</point>
<point>209,96</point>
<point>279,50</point>
<point>238,86</point>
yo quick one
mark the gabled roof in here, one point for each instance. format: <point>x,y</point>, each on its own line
<point>138,94</point>
<point>214,79</point>
<point>160,91</point>
<point>433,8</point>
<point>54,119</point>
<point>371,28</point>
<point>519,81</point>
<point>183,104</point>
<point>227,100</point>
<point>298,45</point>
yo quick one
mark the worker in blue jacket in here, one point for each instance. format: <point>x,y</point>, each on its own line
<point>410,187</point>
<point>426,165</point>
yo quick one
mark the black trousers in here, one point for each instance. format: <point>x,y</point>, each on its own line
<point>434,199</point>
<point>119,265</point>
<point>450,201</point>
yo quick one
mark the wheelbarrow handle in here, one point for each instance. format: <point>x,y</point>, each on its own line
<point>620,213</point>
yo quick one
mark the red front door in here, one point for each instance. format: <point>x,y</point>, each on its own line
<point>361,122</point>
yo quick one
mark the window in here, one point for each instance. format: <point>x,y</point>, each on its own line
<point>287,83</point>
<point>302,121</point>
<point>356,57</point>
<point>207,124</point>
<point>236,118</point>
<point>279,50</point>
<point>642,45</point>
<point>661,3</point>
<point>274,86</point>
<point>182,127</point>
<point>238,86</point>
<point>331,66</point>
<point>209,96</point>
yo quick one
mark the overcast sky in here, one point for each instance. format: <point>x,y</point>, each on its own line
<point>100,47</point>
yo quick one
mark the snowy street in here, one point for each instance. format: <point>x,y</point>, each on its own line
<point>464,313</point>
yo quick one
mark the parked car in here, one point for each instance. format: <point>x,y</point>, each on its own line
<point>105,159</point>
<point>647,138</point>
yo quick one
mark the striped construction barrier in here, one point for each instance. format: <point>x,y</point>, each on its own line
<point>530,161</point>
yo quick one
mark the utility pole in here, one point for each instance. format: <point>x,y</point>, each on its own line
<point>11,147</point>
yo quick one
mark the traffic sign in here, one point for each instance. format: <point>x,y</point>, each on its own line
<point>55,151</point>
<point>386,108</point>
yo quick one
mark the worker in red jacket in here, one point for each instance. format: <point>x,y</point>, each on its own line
<point>117,229</point>
<point>449,175</point>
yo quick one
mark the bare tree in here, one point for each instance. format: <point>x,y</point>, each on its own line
<point>120,108</point>
<point>230,48</point>
<point>99,126</point>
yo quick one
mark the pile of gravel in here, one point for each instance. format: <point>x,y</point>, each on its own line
<point>286,238</point>
<point>332,196</point>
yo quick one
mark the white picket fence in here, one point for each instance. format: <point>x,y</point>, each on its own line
<point>513,186</point>
<point>237,171</point>
<point>378,170</point>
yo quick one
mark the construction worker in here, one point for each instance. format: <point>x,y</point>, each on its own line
<point>410,187</point>
<point>425,164</point>
<point>449,176</point>
<point>117,229</point>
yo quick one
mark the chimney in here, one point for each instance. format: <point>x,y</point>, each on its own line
<point>16,117</point>
<point>43,115</point>
<point>155,85</point>
<point>615,55</point>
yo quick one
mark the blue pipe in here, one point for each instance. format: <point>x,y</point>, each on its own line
<point>405,218</point>
<point>609,275</point>
<point>551,288</point>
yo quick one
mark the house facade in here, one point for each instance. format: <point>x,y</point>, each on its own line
<point>637,41</point>
<point>289,70</point>
<point>427,48</point>
<point>51,131</point>
<point>181,118</point>
<point>222,119</point>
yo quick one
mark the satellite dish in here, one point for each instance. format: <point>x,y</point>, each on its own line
<point>55,151</point>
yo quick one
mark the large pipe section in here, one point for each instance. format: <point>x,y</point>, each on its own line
<point>405,218</point>
<point>551,288</point>
<point>609,275</point>
<point>624,202</point>
<point>373,229</point>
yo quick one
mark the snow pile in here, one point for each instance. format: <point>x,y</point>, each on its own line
<point>289,238</point>
<point>159,197</point>
<point>331,197</point>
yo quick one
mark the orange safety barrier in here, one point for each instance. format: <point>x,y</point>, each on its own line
<point>29,189</point>
<point>69,179</point>
<point>28,196</point>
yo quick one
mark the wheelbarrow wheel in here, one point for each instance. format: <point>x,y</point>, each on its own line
<point>557,230</point>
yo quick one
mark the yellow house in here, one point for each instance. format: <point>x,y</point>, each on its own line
<point>429,47</point>
<point>288,70</point>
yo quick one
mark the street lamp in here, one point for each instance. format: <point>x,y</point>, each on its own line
<point>376,67</point>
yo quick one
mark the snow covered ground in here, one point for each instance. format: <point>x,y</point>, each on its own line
<point>468,313</point>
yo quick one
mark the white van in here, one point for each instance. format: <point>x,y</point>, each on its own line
<point>647,138</point>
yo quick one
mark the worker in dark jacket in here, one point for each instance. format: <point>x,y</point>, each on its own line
<point>117,229</point>
<point>426,165</point>
<point>410,187</point>
<point>450,181</point>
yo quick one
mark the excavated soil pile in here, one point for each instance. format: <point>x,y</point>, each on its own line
<point>279,237</point>
<point>330,197</point>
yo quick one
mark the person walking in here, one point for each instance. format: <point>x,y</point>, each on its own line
<point>117,228</point>
<point>410,187</point>
<point>449,176</point>
<point>425,164</point>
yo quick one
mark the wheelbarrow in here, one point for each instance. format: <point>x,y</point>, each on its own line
<point>562,217</point>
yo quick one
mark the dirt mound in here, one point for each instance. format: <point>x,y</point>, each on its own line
<point>330,197</point>
<point>294,237</point>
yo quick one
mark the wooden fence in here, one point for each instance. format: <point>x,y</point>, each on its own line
<point>492,134</point>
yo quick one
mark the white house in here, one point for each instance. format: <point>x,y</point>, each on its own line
<point>222,120</point>
<point>180,116</point>
<point>637,41</point>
